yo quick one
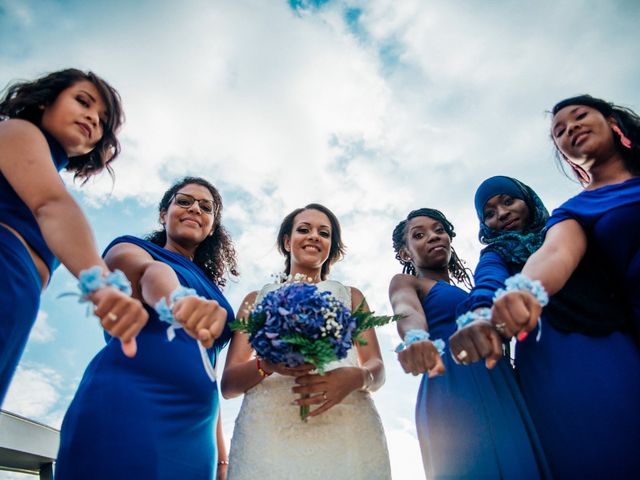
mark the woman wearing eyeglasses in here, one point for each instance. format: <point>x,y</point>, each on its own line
<point>153,416</point>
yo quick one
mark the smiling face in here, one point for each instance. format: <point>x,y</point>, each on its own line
<point>428,245</point>
<point>504,212</point>
<point>583,135</point>
<point>188,226</point>
<point>310,241</point>
<point>76,118</point>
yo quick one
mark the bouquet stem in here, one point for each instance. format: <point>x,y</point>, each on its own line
<point>304,409</point>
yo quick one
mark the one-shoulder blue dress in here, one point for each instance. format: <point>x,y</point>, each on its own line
<point>472,422</point>
<point>580,389</point>
<point>149,417</point>
<point>20,284</point>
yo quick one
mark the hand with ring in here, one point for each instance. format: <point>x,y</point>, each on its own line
<point>120,315</point>
<point>421,357</point>
<point>478,340</point>
<point>515,314</point>
<point>327,390</point>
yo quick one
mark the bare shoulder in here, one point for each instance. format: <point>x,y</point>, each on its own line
<point>248,301</point>
<point>401,281</point>
<point>20,136</point>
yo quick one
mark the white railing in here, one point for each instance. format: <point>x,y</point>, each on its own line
<point>27,446</point>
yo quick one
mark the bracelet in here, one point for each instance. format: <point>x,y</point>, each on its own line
<point>263,373</point>
<point>473,315</point>
<point>368,380</point>
<point>91,280</point>
<point>417,335</point>
<point>223,462</point>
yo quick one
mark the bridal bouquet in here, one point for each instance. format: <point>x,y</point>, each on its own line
<point>299,324</point>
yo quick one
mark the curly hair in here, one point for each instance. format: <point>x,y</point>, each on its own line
<point>337,250</point>
<point>25,100</point>
<point>627,120</point>
<point>216,254</point>
<point>455,267</point>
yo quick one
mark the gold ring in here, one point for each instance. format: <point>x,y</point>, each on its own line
<point>324,396</point>
<point>112,316</point>
<point>462,355</point>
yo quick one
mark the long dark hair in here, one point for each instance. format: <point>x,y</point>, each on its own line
<point>25,100</point>
<point>627,120</point>
<point>455,267</point>
<point>337,250</point>
<point>216,253</point>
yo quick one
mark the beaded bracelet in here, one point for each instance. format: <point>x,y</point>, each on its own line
<point>473,315</point>
<point>91,280</point>
<point>263,373</point>
<point>165,314</point>
<point>522,283</point>
<point>417,335</point>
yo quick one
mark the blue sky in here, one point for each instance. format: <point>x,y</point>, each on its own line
<point>374,108</point>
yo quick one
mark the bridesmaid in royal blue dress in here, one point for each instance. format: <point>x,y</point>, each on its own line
<point>583,340</point>
<point>65,120</point>
<point>600,142</point>
<point>153,416</point>
<point>472,422</point>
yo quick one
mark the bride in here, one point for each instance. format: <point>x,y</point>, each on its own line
<point>343,438</point>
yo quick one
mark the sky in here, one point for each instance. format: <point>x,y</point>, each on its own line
<point>373,108</point>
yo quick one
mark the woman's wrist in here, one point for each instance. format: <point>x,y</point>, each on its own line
<point>262,368</point>
<point>367,378</point>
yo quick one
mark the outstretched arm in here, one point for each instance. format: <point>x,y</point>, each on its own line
<point>553,264</point>
<point>152,280</point>
<point>421,356</point>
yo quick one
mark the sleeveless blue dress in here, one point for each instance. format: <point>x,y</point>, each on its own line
<point>20,284</point>
<point>581,390</point>
<point>152,416</point>
<point>472,422</point>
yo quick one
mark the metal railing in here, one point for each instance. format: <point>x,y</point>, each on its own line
<point>27,446</point>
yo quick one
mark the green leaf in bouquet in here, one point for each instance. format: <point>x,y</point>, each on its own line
<point>317,352</point>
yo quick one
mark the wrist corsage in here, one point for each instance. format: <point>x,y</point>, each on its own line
<point>522,283</point>
<point>165,314</point>
<point>417,335</point>
<point>473,315</point>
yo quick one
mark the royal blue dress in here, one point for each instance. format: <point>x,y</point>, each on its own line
<point>20,284</point>
<point>472,422</point>
<point>610,217</point>
<point>149,417</point>
<point>581,390</point>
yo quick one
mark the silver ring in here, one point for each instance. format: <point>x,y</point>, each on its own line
<point>462,355</point>
<point>500,327</point>
<point>324,396</point>
<point>112,316</point>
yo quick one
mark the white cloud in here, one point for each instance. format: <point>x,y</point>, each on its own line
<point>34,393</point>
<point>42,331</point>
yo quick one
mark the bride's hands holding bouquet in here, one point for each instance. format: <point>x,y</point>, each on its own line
<point>329,389</point>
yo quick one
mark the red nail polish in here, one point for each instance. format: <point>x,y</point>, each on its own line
<point>522,336</point>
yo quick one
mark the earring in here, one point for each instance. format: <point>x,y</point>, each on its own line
<point>623,138</point>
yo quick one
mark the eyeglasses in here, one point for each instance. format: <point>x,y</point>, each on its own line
<point>185,201</point>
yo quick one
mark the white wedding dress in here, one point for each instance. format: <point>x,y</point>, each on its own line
<point>271,442</point>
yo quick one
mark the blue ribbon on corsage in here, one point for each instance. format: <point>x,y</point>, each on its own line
<point>165,314</point>
<point>417,335</point>
<point>91,280</point>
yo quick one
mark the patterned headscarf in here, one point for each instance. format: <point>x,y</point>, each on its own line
<point>513,247</point>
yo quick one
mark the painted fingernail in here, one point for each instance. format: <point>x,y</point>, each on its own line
<point>522,336</point>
